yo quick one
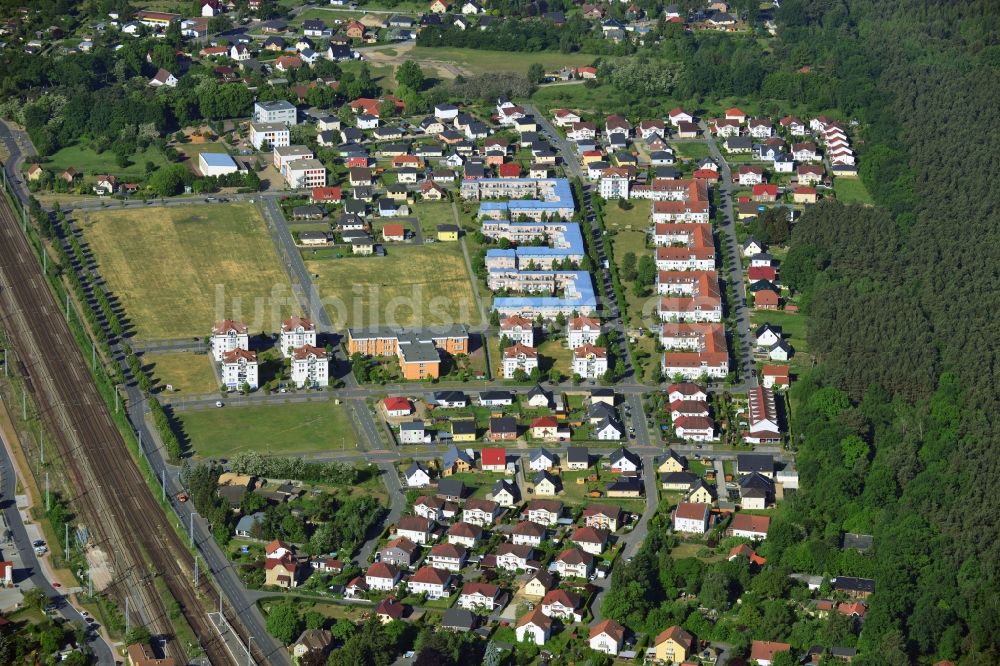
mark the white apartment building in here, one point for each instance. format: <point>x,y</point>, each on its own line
<point>276,111</point>
<point>590,362</point>
<point>307,173</point>
<point>310,366</point>
<point>269,135</point>
<point>519,357</point>
<point>239,367</point>
<point>582,331</point>
<point>296,332</point>
<point>227,336</point>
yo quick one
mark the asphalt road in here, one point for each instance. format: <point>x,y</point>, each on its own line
<point>32,568</point>
<point>742,343</point>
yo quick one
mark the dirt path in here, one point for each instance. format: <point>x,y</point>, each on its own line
<point>398,53</point>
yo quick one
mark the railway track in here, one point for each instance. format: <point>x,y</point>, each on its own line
<point>111,494</point>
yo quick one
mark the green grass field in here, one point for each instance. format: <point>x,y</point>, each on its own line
<point>692,150</point>
<point>480,61</point>
<point>414,285</point>
<point>293,428</point>
<point>178,269</point>
<point>602,99</point>
<point>637,218</point>
<point>431,214</point>
<point>187,373</point>
<point>89,163</point>
<point>555,354</point>
<point>793,328</point>
<point>852,190</point>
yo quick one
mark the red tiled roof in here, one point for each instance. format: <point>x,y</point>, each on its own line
<point>397,403</point>
<point>750,523</point>
<point>494,456</point>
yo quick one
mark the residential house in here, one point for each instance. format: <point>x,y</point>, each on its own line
<point>582,331</point>
<point>763,652</point>
<point>416,476</point>
<point>562,604</point>
<point>590,361</point>
<point>691,517</point>
<point>546,484</point>
<point>519,357</point>
<point>400,552</point>
<point>527,533</point>
<point>430,581</point>
<point>539,584</point>
<point>577,458</point>
<point>381,576</point>
<point>481,512</point>
<point>479,596</point>
<point>505,493</point>
<point>624,461</point>
<point>574,563</point>
<point>542,459</point>
<point>534,626</point>
<point>608,637</point>
<point>447,556</point>
<point>514,557</point>
<point>397,406</point>
<point>603,517</point>
<point>749,526</point>
<point>673,645</point>
<point>464,534</point>
<point>590,540</point>
<point>416,529</point>
<point>502,428</point>
<point>493,459</point>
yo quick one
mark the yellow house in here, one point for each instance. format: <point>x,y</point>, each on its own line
<point>538,585</point>
<point>589,157</point>
<point>439,6</point>
<point>545,484</point>
<point>447,232</point>
<point>670,464</point>
<point>701,495</point>
<point>673,645</point>
<point>463,430</point>
<point>281,572</point>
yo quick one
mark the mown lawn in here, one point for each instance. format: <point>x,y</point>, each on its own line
<point>851,190</point>
<point>177,270</point>
<point>293,428</point>
<point>601,99</point>
<point>187,373</point>
<point>481,61</point>
<point>88,162</point>
<point>414,285</point>
<point>636,218</point>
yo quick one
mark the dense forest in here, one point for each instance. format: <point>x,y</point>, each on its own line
<point>897,428</point>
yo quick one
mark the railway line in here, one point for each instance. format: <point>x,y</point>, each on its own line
<point>112,496</point>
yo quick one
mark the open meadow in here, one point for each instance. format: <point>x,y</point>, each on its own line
<point>413,285</point>
<point>178,269</point>
<point>286,429</point>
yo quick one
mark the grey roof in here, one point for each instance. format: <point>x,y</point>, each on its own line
<point>458,618</point>
<point>542,451</point>
<point>626,484</point>
<point>755,480</point>
<point>246,523</point>
<point>491,395</point>
<point>450,396</point>
<point>451,488</point>
<point>613,422</point>
<point>454,454</point>
<point>853,584</point>
<point>504,484</point>
<point>860,542</point>
<point>412,425</point>
<point>578,454</point>
<point>754,462</point>
<point>503,424</point>
<point>673,478</point>
<point>542,475</point>
<point>413,468</point>
<point>676,456</point>
<point>601,410</point>
<point>622,452</point>
<point>463,427</point>
<point>699,483</point>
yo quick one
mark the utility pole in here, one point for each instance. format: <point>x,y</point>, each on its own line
<point>6,372</point>
<point>163,481</point>
<point>48,503</point>
<point>41,442</point>
<point>67,306</point>
<point>191,527</point>
<point>116,398</point>
<point>126,615</point>
<point>66,548</point>
<point>249,654</point>
<point>24,405</point>
<point>93,356</point>
<point>90,584</point>
<point>196,570</point>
